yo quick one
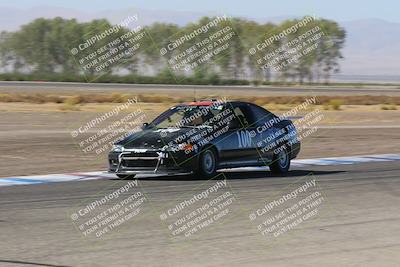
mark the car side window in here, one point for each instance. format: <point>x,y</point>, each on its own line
<point>260,114</point>
<point>243,114</point>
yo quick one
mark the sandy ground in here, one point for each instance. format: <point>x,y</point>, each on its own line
<point>36,139</point>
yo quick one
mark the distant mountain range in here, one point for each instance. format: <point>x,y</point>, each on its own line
<point>372,45</point>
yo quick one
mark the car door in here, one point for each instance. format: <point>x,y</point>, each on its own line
<point>238,147</point>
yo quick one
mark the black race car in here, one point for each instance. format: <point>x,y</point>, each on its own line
<point>204,136</point>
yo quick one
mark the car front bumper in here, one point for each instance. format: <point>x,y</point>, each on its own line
<point>295,150</point>
<point>151,162</point>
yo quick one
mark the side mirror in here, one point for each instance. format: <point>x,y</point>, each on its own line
<point>145,125</point>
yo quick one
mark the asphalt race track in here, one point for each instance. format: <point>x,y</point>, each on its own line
<point>357,224</point>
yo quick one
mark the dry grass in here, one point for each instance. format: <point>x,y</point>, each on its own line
<point>30,98</point>
<point>388,107</point>
<point>73,100</point>
<point>333,102</point>
<point>67,107</point>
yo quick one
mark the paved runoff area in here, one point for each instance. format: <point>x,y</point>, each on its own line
<point>83,176</point>
<point>325,212</point>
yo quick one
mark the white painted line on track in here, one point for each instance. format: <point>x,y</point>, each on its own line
<point>84,176</point>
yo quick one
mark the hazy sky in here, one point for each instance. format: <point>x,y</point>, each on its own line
<point>333,9</point>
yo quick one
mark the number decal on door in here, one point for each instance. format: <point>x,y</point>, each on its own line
<point>244,139</point>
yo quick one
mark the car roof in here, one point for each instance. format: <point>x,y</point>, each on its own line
<point>199,103</point>
<point>209,103</point>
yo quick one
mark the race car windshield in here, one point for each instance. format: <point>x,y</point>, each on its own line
<point>186,116</point>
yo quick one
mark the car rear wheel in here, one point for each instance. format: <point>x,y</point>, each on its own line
<point>207,164</point>
<point>281,162</point>
<point>126,176</point>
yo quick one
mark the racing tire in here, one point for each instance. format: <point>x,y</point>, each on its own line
<point>208,163</point>
<point>126,176</point>
<point>280,162</point>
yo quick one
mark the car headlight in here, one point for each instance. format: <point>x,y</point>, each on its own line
<point>185,147</point>
<point>117,148</point>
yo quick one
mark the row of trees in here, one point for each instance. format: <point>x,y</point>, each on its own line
<point>43,47</point>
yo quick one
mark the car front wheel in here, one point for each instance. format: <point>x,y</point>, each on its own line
<point>281,162</point>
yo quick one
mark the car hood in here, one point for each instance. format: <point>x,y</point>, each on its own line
<point>152,138</point>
